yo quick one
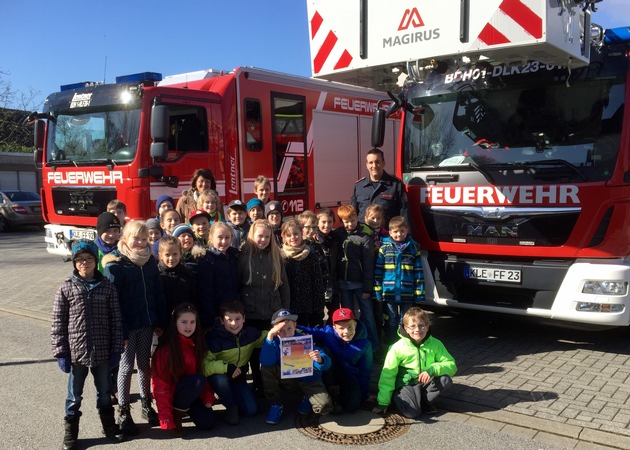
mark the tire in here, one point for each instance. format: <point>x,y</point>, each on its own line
<point>3,224</point>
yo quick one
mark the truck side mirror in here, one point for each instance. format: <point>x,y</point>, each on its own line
<point>38,137</point>
<point>39,128</point>
<point>378,128</point>
<point>159,132</point>
<point>159,150</point>
<point>159,123</point>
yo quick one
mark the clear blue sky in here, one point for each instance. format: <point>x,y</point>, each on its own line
<point>44,44</point>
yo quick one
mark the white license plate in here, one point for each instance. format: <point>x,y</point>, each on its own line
<point>83,234</point>
<point>492,274</point>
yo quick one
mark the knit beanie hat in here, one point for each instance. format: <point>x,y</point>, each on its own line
<point>152,223</point>
<point>84,246</point>
<point>255,202</point>
<point>274,206</point>
<point>163,198</point>
<point>106,221</point>
<point>181,229</point>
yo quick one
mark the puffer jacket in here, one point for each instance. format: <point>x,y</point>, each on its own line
<point>306,284</point>
<point>218,282</point>
<point>163,384</point>
<point>86,323</point>
<point>261,298</point>
<point>354,358</point>
<point>179,286</point>
<point>226,348</point>
<point>140,292</point>
<point>355,261</point>
<point>405,361</point>
<point>398,274</point>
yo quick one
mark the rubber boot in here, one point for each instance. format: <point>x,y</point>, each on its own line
<point>125,421</point>
<point>148,413</point>
<point>71,435</point>
<point>110,429</point>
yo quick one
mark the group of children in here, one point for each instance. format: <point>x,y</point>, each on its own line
<point>193,285</point>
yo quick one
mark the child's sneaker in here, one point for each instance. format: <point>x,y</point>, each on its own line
<point>274,414</point>
<point>305,407</point>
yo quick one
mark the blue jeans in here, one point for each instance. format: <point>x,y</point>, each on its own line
<point>231,394</point>
<point>76,381</point>
<point>394,318</point>
<point>348,297</point>
<point>187,398</point>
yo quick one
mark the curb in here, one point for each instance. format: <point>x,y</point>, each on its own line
<point>569,436</point>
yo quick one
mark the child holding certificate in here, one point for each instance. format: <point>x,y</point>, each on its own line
<point>316,398</point>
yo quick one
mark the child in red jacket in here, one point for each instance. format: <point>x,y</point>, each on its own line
<point>179,388</point>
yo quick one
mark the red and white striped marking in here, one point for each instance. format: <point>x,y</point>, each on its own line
<point>330,54</point>
<point>513,21</point>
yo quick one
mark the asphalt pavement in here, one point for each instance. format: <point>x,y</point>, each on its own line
<point>520,384</point>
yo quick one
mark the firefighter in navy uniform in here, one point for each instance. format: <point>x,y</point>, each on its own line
<point>381,188</point>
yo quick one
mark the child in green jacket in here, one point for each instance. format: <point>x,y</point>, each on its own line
<point>230,345</point>
<point>416,370</point>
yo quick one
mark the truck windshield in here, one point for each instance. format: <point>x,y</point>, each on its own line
<point>93,138</point>
<point>575,127</point>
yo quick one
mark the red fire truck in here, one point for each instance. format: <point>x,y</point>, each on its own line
<point>144,136</point>
<point>515,145</point>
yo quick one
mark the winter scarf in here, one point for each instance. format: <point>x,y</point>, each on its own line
<point>296,253</point>
<point>104,246</point>
<point>138,257</point>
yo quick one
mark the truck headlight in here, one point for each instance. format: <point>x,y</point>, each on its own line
<point>605,287</point>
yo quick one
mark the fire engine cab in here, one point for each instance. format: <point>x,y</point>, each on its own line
<point>144,136</point>
<point>514,145</point>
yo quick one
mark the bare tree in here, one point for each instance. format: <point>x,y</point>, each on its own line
<point>14,106</point>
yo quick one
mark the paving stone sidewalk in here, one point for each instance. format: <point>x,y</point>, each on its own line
<point>549,374</point>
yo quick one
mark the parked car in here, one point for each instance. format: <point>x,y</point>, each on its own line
<point>18,208</point>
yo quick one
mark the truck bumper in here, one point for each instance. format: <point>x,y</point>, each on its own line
<point>59,238</point>
<point>549,289</point>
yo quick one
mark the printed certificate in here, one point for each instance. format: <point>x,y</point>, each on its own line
<point>294,359</point>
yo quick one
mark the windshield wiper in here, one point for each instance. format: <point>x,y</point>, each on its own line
<point>472,165</point>
<point>417,162</point>
<point>97,161</point>
<point>555,162</point>
<point>60,163</point>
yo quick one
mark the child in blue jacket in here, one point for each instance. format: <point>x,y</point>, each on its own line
<point>398,275</point>
<point>316,398</point>
<point>348,381</point>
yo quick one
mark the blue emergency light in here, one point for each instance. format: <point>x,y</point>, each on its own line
<point>619,35</point>
<point>82,84</point>
<point>140,77</point>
